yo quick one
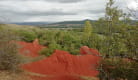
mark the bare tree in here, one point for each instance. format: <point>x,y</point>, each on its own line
<point>134,11</point>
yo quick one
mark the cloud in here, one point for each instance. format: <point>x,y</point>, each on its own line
<point>98,11</point>
<point>37,13</point>
<point>54,10</point>
<point>65,1</point>
<point>60,1</point>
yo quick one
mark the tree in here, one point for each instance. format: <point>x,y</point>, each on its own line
<point>87,31</point>
<point>112,18</point>
<point>134,11</point>
<point>112,69</point>
<point>121,39</point>
<point>130,40</point>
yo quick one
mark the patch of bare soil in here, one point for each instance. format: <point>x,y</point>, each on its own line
<point>5,75</point>
<point>88,78</point>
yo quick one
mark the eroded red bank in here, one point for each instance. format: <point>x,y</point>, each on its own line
<point>30,49</point>
<point>61,65</point>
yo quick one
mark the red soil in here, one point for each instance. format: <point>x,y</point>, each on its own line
<point>61,65</point>
<point>64,66</point>
<point>30,49</point>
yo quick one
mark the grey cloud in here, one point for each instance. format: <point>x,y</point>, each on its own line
<point>52,10</point>
<point>45,13</point>
<point>10,15</point>
<point>5,10</point>
<point>36,13</point>
<point>65,1</point>
<point>60,1</point>
<point>99,11</point>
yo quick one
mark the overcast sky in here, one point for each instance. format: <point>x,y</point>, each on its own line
<point>55,10</point>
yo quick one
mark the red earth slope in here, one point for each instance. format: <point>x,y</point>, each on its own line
<point>30,49</point>
<point>61,65</point>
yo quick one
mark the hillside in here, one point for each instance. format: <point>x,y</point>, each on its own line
<point>74,22</point>
<point>64,24</point>
<point>31,23</point>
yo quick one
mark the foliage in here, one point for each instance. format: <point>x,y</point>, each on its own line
<point>45,52</point>
<point>27,35</point>
<point>87,31</point>
<point>9,59</point>
<point>119,68</point>
<point>61,40</point>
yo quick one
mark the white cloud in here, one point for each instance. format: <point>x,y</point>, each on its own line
<point>54,10</point>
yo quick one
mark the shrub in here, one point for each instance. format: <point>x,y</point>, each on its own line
<point>28,36</point>
<point>118,68</point>
<point>9,59</point>
<point>47,52</point>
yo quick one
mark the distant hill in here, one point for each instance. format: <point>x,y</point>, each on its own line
<point>50,23</point>
<point>31,23</point>
<point>16,27</point>
<point>64,24</point>
<point>74,22</point>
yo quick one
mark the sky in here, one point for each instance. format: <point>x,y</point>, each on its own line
<point>56,10</point>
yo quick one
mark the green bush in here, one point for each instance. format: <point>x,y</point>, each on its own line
<point>9,59</point>
<point>28,36</point>
<point>119,68</point>
<point>47,52</point>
